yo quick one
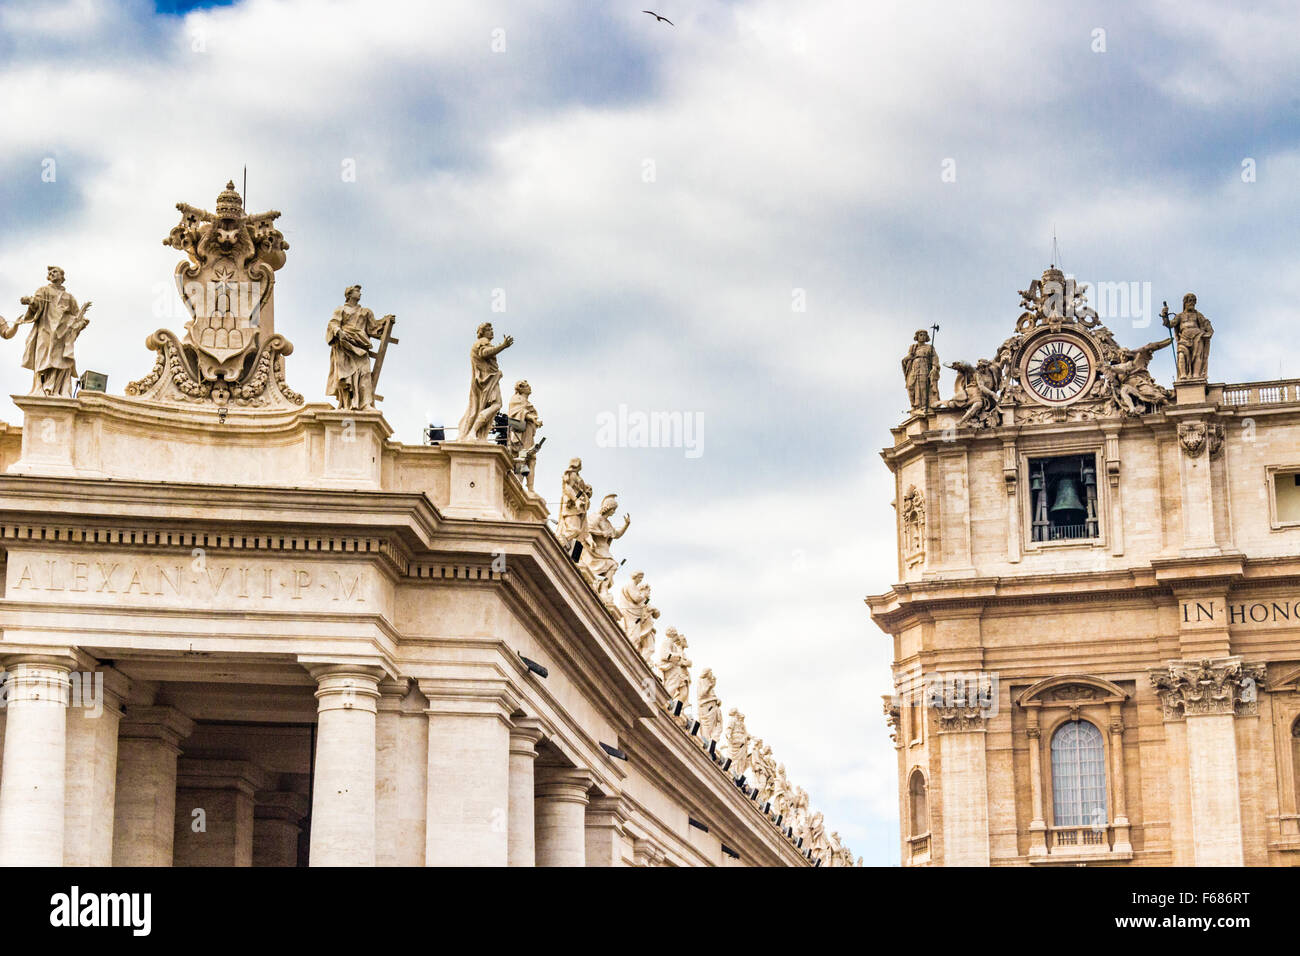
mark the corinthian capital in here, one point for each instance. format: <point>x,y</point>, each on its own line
<point>960,717</point>
<point>1224,686</point>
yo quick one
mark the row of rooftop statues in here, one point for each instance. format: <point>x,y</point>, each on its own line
<point>1123,384</point>
<point>230,354</point>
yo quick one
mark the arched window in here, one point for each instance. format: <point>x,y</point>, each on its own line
<point>1078,775</point>
<point>920,811</point>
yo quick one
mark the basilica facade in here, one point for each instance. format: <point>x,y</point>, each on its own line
<point>1096,620</point>
<point>239,628</point>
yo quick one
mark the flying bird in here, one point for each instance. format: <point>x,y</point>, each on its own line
<point>657,17</point>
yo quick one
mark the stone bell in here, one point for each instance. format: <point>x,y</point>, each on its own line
<point>1067,500</point>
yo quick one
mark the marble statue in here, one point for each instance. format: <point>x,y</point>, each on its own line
<point>1130,384</point>
<point>737,743</point>
<point>708,708</point>
<point>597,559</point>
<point>977,392</point>
<point>575,496</point>
<point>799,813</point>
<point>484,385</point>
<point>1191,331</point>
<point>763,767</point>
<point>638,616</point>
<point>816,839</point>
<point>351,380</point>
<point>836,851</point>
<point>56,321</point>
<point>781,795</point>
<point>921,373</point>
<point>675,667</point>
<point>230,352</point>
<point>522,441</point>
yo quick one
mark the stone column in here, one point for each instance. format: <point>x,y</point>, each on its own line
<point>1037,826</point>
<point>561,810</point>
<point>401,775</point>
<point>144,817</point>
<point>214,811</point>
<point>277,826</point>
<point>94,716</point>
<point>1121,824</point>
<point>964,786</point>
<point>1209,696</point>
<point>343,780</point>
<point>33,785</point>
<point>469,772</point>
<point>521,848</point>
<point>604,841</point>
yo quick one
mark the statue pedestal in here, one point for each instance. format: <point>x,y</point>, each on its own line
<point>479,472</point>
<point>354,447</point>
<point>49,437</point>
<point>1190,391</point>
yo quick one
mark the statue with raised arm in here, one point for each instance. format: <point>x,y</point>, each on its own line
<point>921,373</point>
<point>484,385</point>
<point>597,558</point>
<point>675,666</point>
<point>1129,381</point>
<point>708,708</point>
<point>350,329</point>
<point>56,321</point>
<point>638,616</point>
<point>737,743</point>
<point>575,497</point>
<point>1191,332</point>
<point>521,439</point>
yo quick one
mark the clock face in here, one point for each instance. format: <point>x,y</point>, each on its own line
<point>1057,370</point>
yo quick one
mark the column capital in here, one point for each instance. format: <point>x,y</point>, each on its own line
<point>1227,685</point>
<point>607,812</point>
<point>165,724</point>
<point>960,719</point>
<point>280,805</point>
<point>564,784</point>
<point>347,686</point>
<point>470,698</point>
<point>525,733</point>
<point>201,773</point>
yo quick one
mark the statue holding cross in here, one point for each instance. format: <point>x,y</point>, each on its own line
<point>352,380</point>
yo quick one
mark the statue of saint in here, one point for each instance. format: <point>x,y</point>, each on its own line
<point>1191,331</point>
<point>597,559</point>
<point>675,667</point>
<point>524,422</point>
<point>737,743</point>
<point>56,322</point>
<point>921,372</point>
<point>759,756</point>
<point>817,835</point>
<point>484,385</point>
<point>781,795</point>
<point>799,813</point>
<point>575,497</point>
<point>639,616</point>
<point>349,332</point>
<point>708,708</point>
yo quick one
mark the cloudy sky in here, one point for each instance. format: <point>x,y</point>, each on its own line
<point>741,218</point>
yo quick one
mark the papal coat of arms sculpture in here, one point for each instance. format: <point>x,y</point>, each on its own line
<point>230,353</point>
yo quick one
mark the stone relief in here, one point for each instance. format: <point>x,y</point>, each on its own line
<point>1192,332</point>
<point>484,385</point>
<point>230,352</point>
<point>1129,384</point>
<point>1193,437</point>
<point>56,321</point>
<point>351,381</point>
<point>978,390</point>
